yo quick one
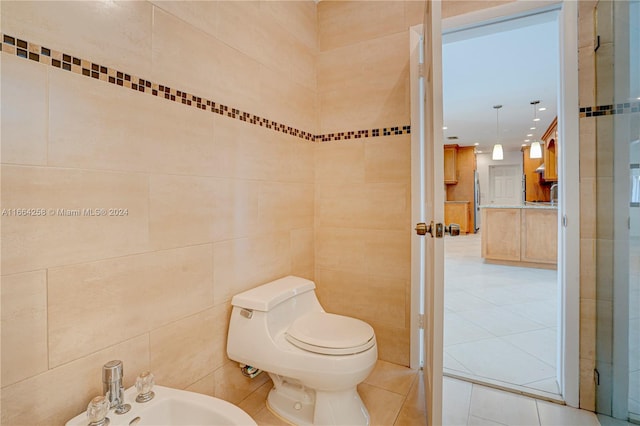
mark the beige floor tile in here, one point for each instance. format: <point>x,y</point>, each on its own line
<point>266,418</point>
<point>206,385</point>
<point>232,386</point>
<point>391,377</point>
<point>414,411</point>
<point>501,324</point>
<point>503,407</point>
<point>554,414</point>
<point>256,402</point>
<point>383,405</point>
<point>479,421</point>
<point>456,398</point>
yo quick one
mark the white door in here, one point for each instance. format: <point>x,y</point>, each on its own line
<point>505,185</point>
<point>427,189</point>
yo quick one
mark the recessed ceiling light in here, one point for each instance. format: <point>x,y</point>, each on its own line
<point>542,109</point>
<point>532,128</point>
<point>527,140</point>
<point>476,144</point>
<point>479,152</point>
<point>529,135</point>
<point>524,144</point>
<point>536,119</point>
<point>444,127</point>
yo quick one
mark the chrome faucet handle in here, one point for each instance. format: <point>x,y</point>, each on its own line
<point>144,386</point>
<point>97,411</point>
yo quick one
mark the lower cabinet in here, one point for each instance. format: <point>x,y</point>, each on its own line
<point>458,212</point>
<point>520,236</point>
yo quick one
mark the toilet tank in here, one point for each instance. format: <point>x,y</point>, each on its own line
<point>279,302</point>
<point>266,297</point>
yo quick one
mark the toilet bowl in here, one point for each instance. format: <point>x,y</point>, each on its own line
<point>315,359</point>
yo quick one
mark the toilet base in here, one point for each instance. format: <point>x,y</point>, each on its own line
<point>303,406</point>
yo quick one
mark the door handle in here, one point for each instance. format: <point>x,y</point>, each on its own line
<point>453,229</point>
<point>422,229</point>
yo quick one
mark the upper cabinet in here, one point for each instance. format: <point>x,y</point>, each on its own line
<point>451,164</point>
<point>535,189</point>
<point>550,139</point>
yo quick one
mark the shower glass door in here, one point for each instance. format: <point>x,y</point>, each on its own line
<point>625,399</point>
<point>634,211</point>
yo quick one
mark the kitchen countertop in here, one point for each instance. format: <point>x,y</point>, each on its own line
<point>457,202</point>
<point>529,205</point>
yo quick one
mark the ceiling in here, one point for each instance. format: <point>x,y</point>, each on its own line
<point>510,63</point>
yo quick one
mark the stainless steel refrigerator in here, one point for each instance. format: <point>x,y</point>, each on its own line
<point>476,201</point>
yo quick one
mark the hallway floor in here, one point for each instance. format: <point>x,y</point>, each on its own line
<point>393,395</point>
<point>500,321</point>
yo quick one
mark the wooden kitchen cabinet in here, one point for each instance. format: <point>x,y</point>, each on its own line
<point>539,240</point>
<point>550,139</point>
<point>457,212</point>
<point>520,236</point>
<point>501,234</point>
<point>535,189</point>
<point>451,164</point>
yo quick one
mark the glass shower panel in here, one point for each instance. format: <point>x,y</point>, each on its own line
<point>634,213</point>
<point>617,55</point>
<point>627,188</point>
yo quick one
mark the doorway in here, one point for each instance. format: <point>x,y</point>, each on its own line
<point>505,185</point>
<point>567,364</point>
<point>501,321</point>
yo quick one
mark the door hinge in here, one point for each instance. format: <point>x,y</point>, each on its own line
<point>564,220</point>
<point>421,321</point>
<point>596,376</point>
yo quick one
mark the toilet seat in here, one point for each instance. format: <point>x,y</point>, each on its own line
<point>330,334</point>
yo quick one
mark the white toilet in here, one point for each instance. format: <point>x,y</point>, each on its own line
<point>315,359</point>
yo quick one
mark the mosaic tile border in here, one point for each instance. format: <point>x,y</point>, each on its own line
<point>601,110</point>
<point>44,55</point>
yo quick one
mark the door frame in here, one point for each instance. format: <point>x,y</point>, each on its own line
<point>427,206</point>
<point>569,189</point>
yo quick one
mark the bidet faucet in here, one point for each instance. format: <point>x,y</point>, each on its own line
<point>112,386</point>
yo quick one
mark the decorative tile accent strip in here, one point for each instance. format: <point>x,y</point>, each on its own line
<point>386,131</point>
<point>24,49</point>
<point>598,111</point>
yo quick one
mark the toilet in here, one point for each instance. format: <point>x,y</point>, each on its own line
<point>315,359</point>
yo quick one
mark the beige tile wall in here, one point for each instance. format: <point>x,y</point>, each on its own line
<point>362,196</point>
<point>214,205</point>
<point>362,238</point>
<point>363,69</point>
<point>589,156</point>
<point>201,184</point>
<point>354,94</point>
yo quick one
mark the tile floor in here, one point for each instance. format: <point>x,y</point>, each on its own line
<point>495,311</point>
<point>394,396</point>
<point>500,321</point>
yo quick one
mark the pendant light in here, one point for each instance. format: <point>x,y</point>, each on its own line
<point>536,148</point>
<point>497,148</point>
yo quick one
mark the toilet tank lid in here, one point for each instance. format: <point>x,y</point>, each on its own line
<point>267,296</point>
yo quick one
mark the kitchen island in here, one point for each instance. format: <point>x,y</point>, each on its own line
<point>525,235</point>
